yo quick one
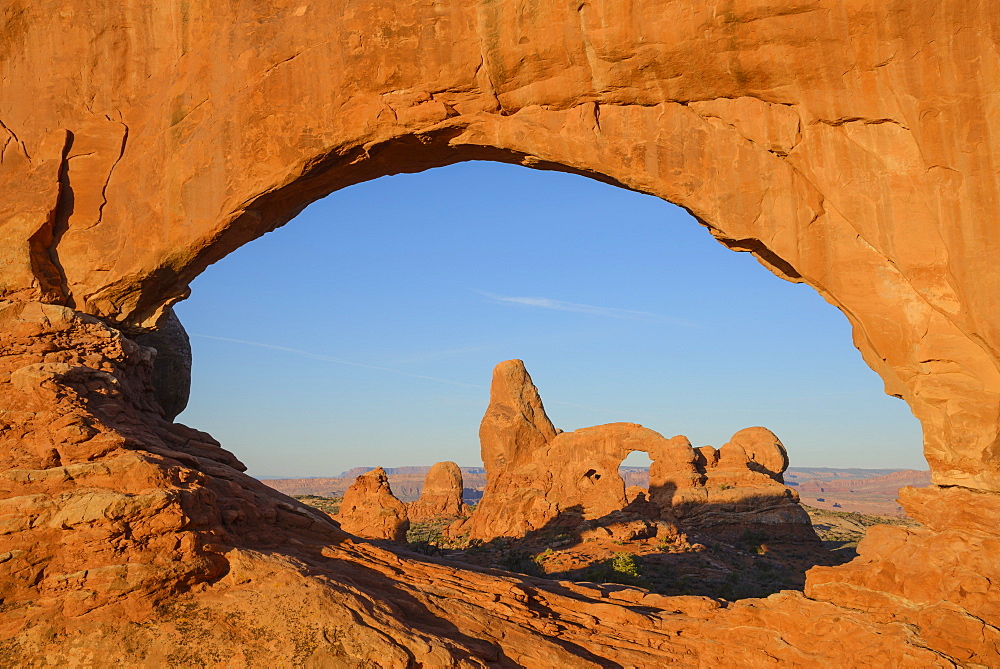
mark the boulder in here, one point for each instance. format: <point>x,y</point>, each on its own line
<point>172,365</point>
<point>370,510</point>
<point>765,452</point>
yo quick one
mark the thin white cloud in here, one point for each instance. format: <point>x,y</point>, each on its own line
<point>605,312</point>
<point>337,361</point>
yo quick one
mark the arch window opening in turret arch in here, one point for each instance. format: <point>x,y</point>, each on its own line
<point>634,470</point>
<point>362,334</point>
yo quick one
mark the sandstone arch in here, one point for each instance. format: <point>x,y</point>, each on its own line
<point>542,479</point>
<point>848,145</point>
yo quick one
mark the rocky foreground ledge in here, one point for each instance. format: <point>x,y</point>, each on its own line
<point>130,539</point>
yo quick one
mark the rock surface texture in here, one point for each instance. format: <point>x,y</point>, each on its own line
<point>441,495</point>
<point>849,145</point>
<point>370,510</point>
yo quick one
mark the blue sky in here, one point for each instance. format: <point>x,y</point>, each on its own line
<point>364,332</point>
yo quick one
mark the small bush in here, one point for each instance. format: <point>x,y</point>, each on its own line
<point>754,541</point>
<point>544,555</point>
<point>624,563</point>
<point>425,548</point>
<point>622,568</point>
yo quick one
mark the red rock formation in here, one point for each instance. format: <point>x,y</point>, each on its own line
<point>765,452</point>
<point>106,506</point>
<point>130,540</point>
<point>939,578</point>
<point>834,164</point>
<point>515,426</point>
<point>370,509</point>
<point>536,475</point>
<point>728,491</point>
<point>848,145</point>
<point>572,477</point>
<point>441,495</point>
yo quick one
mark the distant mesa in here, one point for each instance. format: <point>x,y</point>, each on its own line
<point>419,470</point>
<point>407,483</point>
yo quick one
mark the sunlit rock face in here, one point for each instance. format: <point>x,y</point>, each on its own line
<point>441,496</point>
<point>848,145</point>
<point>539,478</point>
<point>370,510</point>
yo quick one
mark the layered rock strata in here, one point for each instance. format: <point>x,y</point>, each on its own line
<point>441,496</point>
<point>370,510</point>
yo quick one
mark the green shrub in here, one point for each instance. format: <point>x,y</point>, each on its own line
<point>544,555</point>
<point>622,568</point>
<point>624,563</point>
<point>754,540</point>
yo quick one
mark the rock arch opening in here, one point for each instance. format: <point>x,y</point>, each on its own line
<point>734,499</point>
<point>443,273</point>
